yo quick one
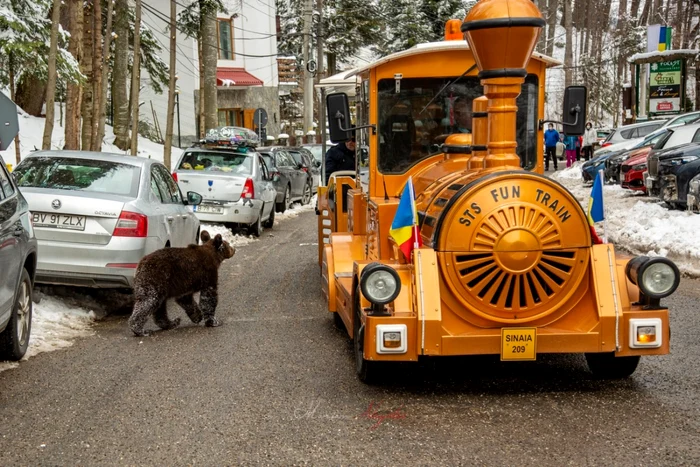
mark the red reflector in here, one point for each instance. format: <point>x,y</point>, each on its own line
<point>175,176</point>
<point>248,189</point>
<point>122,265</point>
<point>606,144</point>
<point>131,224</point>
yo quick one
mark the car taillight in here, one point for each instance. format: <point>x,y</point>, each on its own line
<point>131,224</point>
<point>175,176</point>
<point>606,144</point>
<point>305,169</point>
<point>248,189</point>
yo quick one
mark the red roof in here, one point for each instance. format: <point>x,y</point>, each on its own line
<point>238,76</point>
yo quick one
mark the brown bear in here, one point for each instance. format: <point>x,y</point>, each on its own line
<point>178,273</point>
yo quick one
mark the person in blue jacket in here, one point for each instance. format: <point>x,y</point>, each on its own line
<point>551,138</point>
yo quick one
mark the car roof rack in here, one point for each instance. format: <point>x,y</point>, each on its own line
<point>228,137</point>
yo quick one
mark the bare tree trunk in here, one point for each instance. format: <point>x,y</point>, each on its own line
<point>97,70</point>
<point>644,17</point>
<point>622,27</point>
<point>634,10</point>
<point>74,92</point>
<point>11,73</point>
<point>86,68</point>
<point>568,51</point>
<point>552,7</point>
<point>120,98</point>
<point>51,80</point>
<point>136,82</point>
<point>697,84</point>
<point>167,150</point>
<point>30,94</point>
<point>209,55</point>
<point>105,75</point>
<point>200,113</point>
<point>542,41</point>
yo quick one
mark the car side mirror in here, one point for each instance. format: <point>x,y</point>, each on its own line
<point>574,112</point>
<point>194,199</point>
<point>338,117</point>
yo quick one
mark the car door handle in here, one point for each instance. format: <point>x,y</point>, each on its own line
<point>170,218</point>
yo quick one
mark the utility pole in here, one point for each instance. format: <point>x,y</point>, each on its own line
<point>308,80</point>
<point>322,103</point>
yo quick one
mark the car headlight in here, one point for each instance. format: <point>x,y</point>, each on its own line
<point>639,167</point>
<point>656,277</point>
<point>379,283</point>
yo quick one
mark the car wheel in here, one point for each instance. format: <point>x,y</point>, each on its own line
<point>306,196</point>
<point>608,366</point>
<point>256,227</point>
<point>284,204</point>
<point>366,370</point>
<point>270,222</point>
<point>14,340</point>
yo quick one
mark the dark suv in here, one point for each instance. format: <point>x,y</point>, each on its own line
<point>305,159</point>
<point>18,249</point>
<point>291,181</point>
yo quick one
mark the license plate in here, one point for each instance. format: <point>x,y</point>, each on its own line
<point>58,221</point>
<point>209,209</point>
<point>518,343</point>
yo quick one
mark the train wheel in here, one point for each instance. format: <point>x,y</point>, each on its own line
<point>366,370</point>
<point>608,366</point>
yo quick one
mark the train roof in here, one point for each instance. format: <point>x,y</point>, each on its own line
<point>435,47</point>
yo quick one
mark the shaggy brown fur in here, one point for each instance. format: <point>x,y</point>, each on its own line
<point>178,273</point>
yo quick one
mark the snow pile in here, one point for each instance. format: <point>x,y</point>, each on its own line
<point>55,324</point>
<point>227,234</point>
<point>295,210</point>
<point>642,225</point>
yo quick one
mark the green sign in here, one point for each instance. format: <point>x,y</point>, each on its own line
<point>665,87</point>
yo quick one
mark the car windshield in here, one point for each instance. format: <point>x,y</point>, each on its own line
<point>230,162</point>
<point>316,151</point>
<point>652,138</point>
<point>416,117</point>
<point>269,160</point>
<point>65,173</point>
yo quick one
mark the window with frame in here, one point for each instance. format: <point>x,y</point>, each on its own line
<point>230,117</point>
<point>225,32</point>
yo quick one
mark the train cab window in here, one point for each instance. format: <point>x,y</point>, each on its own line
<point>414,122</point>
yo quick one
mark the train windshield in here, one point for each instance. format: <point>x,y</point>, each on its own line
<point>414,122</point>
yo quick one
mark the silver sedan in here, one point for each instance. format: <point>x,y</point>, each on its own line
<point>96,215</point>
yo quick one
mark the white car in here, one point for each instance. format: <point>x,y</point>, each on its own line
<point>96,215</point>
<point>235,185</point>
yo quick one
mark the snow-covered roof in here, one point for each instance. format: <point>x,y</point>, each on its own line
<point>435,47</point>
<point>340,83</point>
<point>662,56</point>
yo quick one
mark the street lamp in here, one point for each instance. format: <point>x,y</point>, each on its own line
<point>177,101</point>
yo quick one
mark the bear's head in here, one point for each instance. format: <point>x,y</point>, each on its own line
<point>221,247</point>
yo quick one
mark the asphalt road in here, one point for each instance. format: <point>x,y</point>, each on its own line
<point>275,384</point>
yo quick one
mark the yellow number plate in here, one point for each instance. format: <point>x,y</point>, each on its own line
<point>518,343</point>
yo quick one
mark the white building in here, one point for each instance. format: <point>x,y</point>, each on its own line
<point>246,70</point>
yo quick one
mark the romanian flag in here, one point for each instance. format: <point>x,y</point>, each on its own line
<point>595,203</point>
<point>404,228</point>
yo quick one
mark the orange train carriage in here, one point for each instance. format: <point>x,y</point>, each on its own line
<point>508,265</point>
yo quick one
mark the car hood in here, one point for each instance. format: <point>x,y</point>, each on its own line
<point>689,149</point>
<point>638,159</point>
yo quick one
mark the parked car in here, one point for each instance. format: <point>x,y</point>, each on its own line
<point>97,214</point>
<point>305,159</point>
<point>18,256</point>
<point>633,169</point>
<point>681,135</point>
<point>631,132</point>
<point>590,168</point>
<point>656,139</point>
<point>689,117</point>
<point>290,181</point>
<point>693,196</point>
<point>675,172</point>
<point>316,150</point>
<point>235,183</point>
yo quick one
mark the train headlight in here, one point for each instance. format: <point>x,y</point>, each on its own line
<point>379,283</point>
<point>656,277</point>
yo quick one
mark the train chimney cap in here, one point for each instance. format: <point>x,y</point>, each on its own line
<point>502,35</point>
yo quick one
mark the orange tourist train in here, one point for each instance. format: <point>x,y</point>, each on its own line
<point>506,263</point>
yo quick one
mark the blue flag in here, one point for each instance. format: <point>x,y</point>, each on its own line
<point>595,203</point>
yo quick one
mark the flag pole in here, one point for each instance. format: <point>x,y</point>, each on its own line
<point>601,174</point>
<point>413,212</point>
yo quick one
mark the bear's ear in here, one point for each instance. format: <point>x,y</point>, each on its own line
<point>205,236</point>
<point>218,241</point>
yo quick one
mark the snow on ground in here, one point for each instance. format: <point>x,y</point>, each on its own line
<point>640,224</point>
<point>56,323</point>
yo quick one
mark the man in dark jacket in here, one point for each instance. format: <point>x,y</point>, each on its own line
<point>551,138</point>
<point>340,157</point>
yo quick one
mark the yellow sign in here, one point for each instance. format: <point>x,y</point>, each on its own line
<point>518,343</point>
